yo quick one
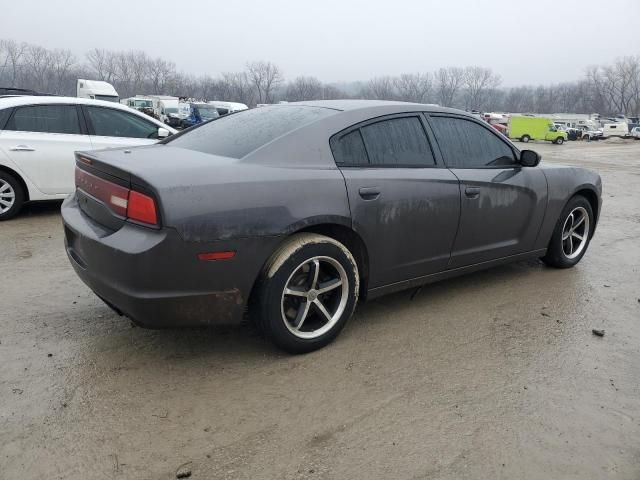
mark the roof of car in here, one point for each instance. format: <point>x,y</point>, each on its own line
<point>8,102</point>
<point>350,105</point>
<point>35,100</point>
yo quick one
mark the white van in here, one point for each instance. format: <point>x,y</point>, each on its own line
<point>228,107</point>
<point>619,129</point>
<point>169,111</point>
<point>97,90</point>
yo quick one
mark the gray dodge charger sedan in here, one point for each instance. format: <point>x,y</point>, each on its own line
<point>291,213</point>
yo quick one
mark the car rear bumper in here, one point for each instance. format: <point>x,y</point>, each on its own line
<point>155,278</point>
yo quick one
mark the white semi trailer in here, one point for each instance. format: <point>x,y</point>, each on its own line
<point>97,90</point>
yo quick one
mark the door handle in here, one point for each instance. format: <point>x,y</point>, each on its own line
<point>22,148</point>
<point>369,193</point>
<point>472,192</point>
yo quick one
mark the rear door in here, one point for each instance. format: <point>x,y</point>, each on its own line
<point>110,127</point>
<point>503,203</point>
<point>41,141</point>
<point>404,204</point>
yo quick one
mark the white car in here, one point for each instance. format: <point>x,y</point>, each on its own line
<point>39,135</point>
<point>635,133</point>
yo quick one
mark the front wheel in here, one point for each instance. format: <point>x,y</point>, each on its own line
<point>307,293</point>
<point>559,141</point>
<point>572,234</point>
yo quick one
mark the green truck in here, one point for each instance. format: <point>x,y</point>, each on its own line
<point>535,128</point>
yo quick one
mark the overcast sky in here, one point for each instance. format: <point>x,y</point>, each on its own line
<point>534,41</point>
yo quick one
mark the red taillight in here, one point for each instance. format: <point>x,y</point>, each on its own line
<point>115,196</point>
<point>121,200</point>
<point>142,208</point>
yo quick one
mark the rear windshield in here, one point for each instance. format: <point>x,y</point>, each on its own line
<point>239,134</point>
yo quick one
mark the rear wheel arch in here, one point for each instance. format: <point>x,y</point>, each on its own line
<point>19,179</point>
<point>350,239</point>
<point>345,235</point>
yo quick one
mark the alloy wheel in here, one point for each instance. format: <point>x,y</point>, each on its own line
<point>575,232</point>
<point>7,196</point>
<point>315,297</point>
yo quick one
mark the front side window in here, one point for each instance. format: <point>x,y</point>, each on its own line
<point>465,144</point>
<point>108,122</point>
<point>398,142</point>
<point>45,119</point>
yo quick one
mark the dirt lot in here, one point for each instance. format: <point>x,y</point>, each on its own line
<point>493,375</point>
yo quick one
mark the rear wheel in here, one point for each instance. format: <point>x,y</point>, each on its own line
<point>572,234</point>
<point>11,196</point>
<point>525,138</point>
<point>307,293</point>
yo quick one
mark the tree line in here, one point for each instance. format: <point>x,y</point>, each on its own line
<point>607,89</point>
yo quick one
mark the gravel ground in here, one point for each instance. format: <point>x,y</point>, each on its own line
<point>494,375</point>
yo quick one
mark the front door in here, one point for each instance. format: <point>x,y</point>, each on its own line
<point>503,203</point>
<point>41,141</point>
<point>403,204</point>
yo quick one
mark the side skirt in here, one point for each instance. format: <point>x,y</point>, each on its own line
<point>455,272</point>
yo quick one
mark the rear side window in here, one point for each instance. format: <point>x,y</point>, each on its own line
<point>465,144</point>
<point>45,119</point>
<point>349,149</point>
<point>4,116</point>
<point>108,122</point>
<point>239,134</point>
<point>398,142</point>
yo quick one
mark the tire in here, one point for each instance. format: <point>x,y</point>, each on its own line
<point>562,252</point>
<point>294,322</point>
<point>559,141</point>
<point>12,196</point>
<point>525,138</point>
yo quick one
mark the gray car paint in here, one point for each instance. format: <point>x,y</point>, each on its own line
<point>250,205</point>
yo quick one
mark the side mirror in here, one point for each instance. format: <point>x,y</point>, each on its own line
<point>163,132</point>
<point>529,158</point>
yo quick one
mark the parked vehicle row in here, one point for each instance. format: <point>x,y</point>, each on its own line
<point>39,135</point>
<point>295,212</point>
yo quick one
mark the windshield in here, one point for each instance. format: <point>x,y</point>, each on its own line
<point>239,134</point>
<point>143,103</point>
<point>108,98</point>
<point>171,110</point>
<point>207,112</point>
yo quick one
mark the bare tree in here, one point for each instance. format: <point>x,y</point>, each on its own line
<point>449,81</point>
<point>240,88</point>
<point>266,78</point>
<point>62,62</point>
<point>11,60</point>
<point>477,81</point>
<point>414,87</point>
<point>104,64</point>
<point>607,89</point>
<point>160,74</point>
<point>304,88</point>
<point>380,88</point>
<point>330,92</point>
